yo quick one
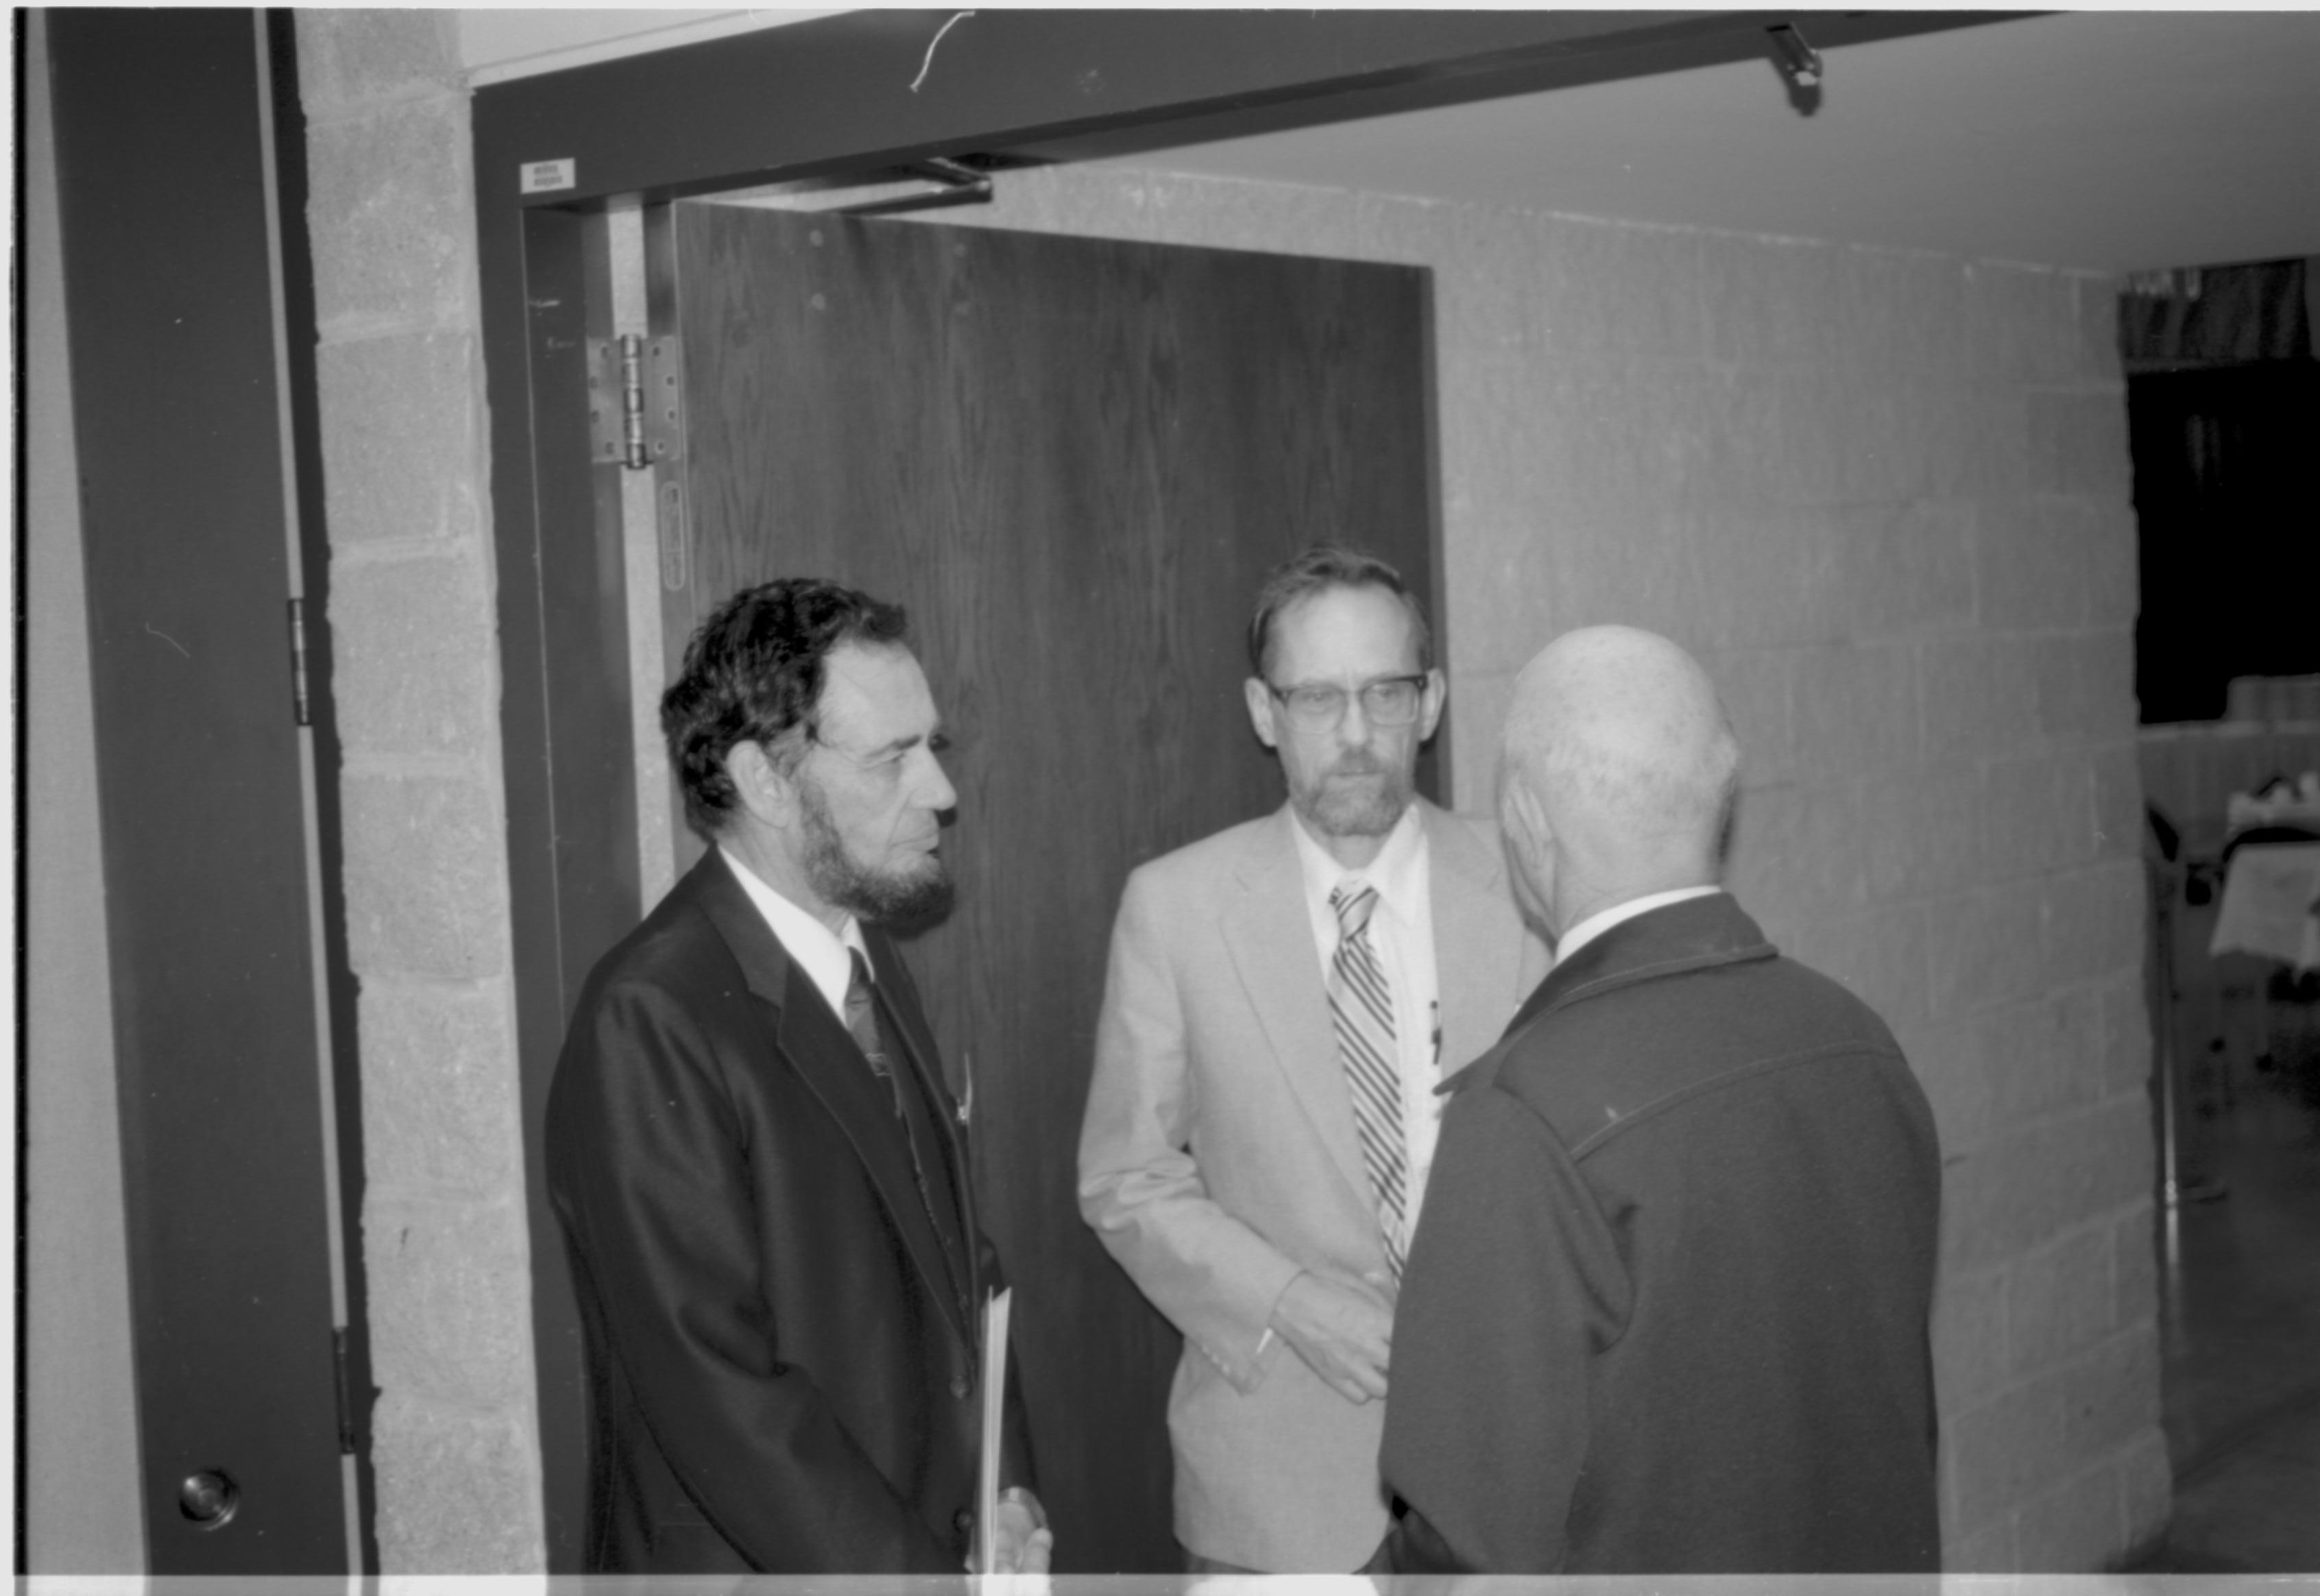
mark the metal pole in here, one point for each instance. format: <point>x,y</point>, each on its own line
<point>2163,878</point>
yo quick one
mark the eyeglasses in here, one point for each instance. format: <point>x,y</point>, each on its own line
<point>1320,706</point>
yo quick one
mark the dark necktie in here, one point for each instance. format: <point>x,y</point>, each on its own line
<point>910,1105</point>
<point>862,1020</point>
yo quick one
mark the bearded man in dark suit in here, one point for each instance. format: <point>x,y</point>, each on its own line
<point>1666,1309</point>
<point>759,1164</point>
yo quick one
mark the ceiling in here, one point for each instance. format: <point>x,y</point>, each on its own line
<point>2114,140</point>
<point>2111,141</point>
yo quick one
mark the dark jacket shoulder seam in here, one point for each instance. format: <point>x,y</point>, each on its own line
<point>1615,980</point>
<point>1724,1081</point>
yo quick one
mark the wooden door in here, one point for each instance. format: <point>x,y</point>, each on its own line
<point>172,329</point>
<point>1073,460</point>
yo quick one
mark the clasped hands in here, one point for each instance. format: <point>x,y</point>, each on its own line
<point>1343,1329</point>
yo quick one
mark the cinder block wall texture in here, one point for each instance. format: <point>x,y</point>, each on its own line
<point>1884,496</point>
<point>392,222</point>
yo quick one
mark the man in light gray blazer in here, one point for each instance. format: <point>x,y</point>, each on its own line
<point>1283,999</point>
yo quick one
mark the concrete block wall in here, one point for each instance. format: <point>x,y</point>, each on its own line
<point>1885,496</point>
<point>391,223</point>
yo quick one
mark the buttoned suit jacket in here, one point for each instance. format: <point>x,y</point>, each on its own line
<point>1666,1309</point>
<point>781,1340</point>
<point>1219,1158</point>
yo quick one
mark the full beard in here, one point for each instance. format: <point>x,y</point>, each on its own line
<point>1336,808</point>
<point>898,897</point>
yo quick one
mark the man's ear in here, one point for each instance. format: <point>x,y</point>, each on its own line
<point>1429,706</point>
<point>1523,818</point>
<point>767,793</point>
<point>1261,708</point>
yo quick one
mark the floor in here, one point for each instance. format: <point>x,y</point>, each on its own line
<point>2240,1293</point>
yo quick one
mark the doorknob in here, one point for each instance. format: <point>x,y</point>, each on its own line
<point>209,1499</point>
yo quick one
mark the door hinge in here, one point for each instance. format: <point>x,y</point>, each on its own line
<point>663,400</point>
<point>346,1392</point>
<point>634,393</point>
<point>299,707</point>
<point>616,397</point>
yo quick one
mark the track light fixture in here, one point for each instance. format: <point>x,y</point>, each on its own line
<point>1798,64</point>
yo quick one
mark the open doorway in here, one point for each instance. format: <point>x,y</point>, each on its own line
<point>2224,391</point>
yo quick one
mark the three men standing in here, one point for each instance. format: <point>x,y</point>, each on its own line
<point>1281,999</point>
<point>1665,1307</point>
<point>758,1163</point>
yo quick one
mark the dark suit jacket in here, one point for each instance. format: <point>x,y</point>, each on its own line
<point>1666,1309</point>
<point>781,1346</point>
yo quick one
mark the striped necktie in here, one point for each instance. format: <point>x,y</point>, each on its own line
<point>1361,1007</point>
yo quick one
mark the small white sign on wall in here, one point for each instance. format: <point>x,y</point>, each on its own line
<point>545,177</point>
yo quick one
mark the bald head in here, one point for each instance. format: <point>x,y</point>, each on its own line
<point>1618,769</point>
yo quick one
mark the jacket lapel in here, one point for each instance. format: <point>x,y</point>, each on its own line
<point>1270,936</point>
<point>952,1192</point>
<point>815,1043</point>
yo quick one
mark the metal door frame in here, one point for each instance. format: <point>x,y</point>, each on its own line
<point>851,93</point>
<point>223,82</point>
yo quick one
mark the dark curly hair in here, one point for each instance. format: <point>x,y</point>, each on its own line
<point>753,673</point>
<point>1320,569</point>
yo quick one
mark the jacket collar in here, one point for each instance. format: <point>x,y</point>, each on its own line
<point>1697,934</point>
<point>710,887</point>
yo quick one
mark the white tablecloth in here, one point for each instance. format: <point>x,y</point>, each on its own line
<point>2271,904</point>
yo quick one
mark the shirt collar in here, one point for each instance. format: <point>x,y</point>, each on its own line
<point>826,955</point>
<point>1603,919</point>
<point>1397,871</point>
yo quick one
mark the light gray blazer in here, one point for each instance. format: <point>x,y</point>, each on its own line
<point>1218,1159</point>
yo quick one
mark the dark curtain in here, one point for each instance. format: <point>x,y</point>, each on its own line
<point>2228,504</point>
<point>2219,315</point>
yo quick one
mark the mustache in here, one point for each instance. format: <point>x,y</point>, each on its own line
<point>1359,761</point>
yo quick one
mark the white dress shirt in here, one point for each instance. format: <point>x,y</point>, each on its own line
<point>1401,930</point>
<point>1603,919</point>
<point>826,955</point>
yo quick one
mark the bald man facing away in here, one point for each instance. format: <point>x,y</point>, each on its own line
<point>1666,1308</point>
